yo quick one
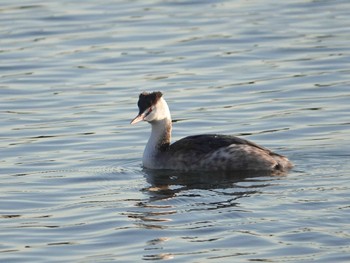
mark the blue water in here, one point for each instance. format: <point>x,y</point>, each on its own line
<point>72,185</point>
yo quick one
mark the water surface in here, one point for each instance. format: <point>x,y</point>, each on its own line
<point>73,189</point>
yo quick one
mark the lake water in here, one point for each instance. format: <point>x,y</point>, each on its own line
<point>72,185</point>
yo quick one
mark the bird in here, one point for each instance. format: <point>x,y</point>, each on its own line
<point>205,152</point>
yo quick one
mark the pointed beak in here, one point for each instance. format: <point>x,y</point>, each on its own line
<point>138,118</point>
<point>141,116</point>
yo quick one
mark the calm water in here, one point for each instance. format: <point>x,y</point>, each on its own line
<point>72,186</point>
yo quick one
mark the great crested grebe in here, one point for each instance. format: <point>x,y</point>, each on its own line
<point>207,152</point>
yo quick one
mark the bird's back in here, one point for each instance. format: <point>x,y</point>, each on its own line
<point>220,152</point>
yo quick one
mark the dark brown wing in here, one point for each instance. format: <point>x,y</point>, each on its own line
<point>207,143</point>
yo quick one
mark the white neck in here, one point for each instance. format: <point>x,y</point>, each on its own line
<point>160,136</point>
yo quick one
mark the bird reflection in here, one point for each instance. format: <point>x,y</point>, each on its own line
<point>165,186</point>
<point>167,183</point>
<point>176,197</point>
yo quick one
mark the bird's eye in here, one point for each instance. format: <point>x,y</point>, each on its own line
<point>148,111</point>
